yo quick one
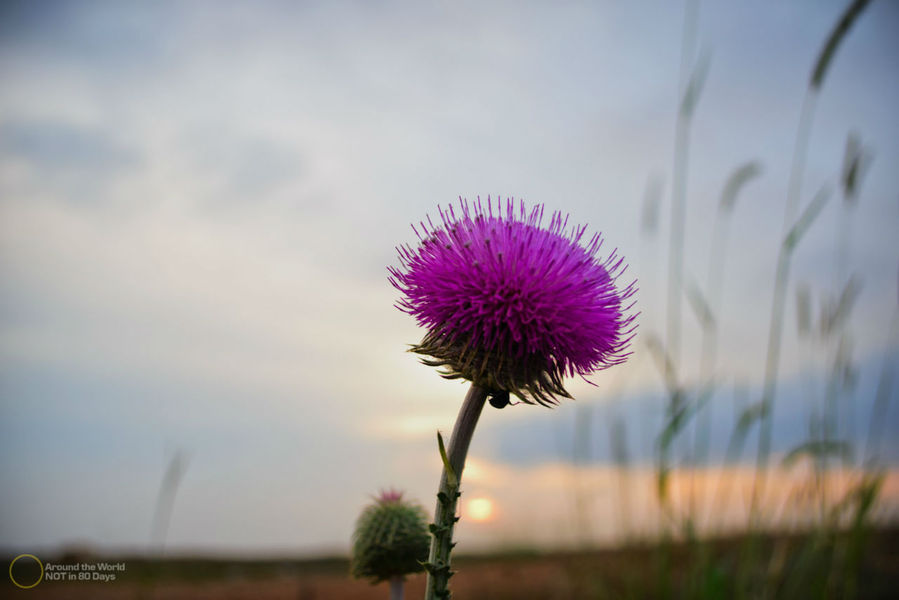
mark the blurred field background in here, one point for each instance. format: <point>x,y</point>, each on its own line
<point>203,374</point>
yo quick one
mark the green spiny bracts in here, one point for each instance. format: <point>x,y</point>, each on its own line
<point>391,539</point>
<point>531,378</point>
<point>439,568</point>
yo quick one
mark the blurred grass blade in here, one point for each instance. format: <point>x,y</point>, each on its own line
<point>165,501</point>
<point>806,219</point>
<point>742,175</point>
<point>699,304</point>
<point>833,41</point>
<point>818,449</point>
<point>677,418</point>
<point>618,441</point>
<point>652,203</point>
<point>834,316</point>
<point>803,310</point>
<point>855,164</point>
<point>882,396</point>
<point>663,362</point>
<point>748,417</point>
<point>696,84</point>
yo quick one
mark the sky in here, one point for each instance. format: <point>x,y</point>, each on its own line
<point>199,202</point>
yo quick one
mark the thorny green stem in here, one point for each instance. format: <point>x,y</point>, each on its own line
<point>438,565</point>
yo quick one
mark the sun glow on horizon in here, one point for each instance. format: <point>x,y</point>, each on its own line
<point>480,509</point>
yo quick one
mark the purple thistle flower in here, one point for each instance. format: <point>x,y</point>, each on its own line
<point>510,305</point>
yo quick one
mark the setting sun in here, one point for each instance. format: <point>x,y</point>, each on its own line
<point>480,509</point>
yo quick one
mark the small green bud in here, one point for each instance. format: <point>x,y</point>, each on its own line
<point>391,539</point>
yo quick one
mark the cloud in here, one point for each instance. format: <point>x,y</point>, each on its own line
<point>250,170</point>
<point>567,505</point>
<point>56,145</point>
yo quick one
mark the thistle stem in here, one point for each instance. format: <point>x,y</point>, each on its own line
<point>396,587</point>
<point>438,566</point>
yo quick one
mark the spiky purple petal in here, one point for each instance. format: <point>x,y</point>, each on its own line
<point>512,305</point>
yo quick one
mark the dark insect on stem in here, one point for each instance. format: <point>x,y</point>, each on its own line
<point>499,399</point>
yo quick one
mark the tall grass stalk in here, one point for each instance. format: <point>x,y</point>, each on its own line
<point>775,334</point>
<point>882,396</point>
<point>621,459</point>
<point>711,329</point>
<point>581,456</point>
<point>162,514</point>
<point>797,172</point>
<point>690,82</point>
<point>165,500</point>
<point>689,88</point>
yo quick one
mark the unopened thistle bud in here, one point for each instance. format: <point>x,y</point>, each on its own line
<point>391,539</point>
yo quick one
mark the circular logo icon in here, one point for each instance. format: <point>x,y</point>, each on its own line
<point>25,585</point>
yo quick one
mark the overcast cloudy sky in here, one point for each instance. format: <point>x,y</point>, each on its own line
<point>198,202</point>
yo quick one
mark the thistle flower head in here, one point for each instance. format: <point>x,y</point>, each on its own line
<point>390,495</point>
<point>511,305</point>
<point>391,539</point>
